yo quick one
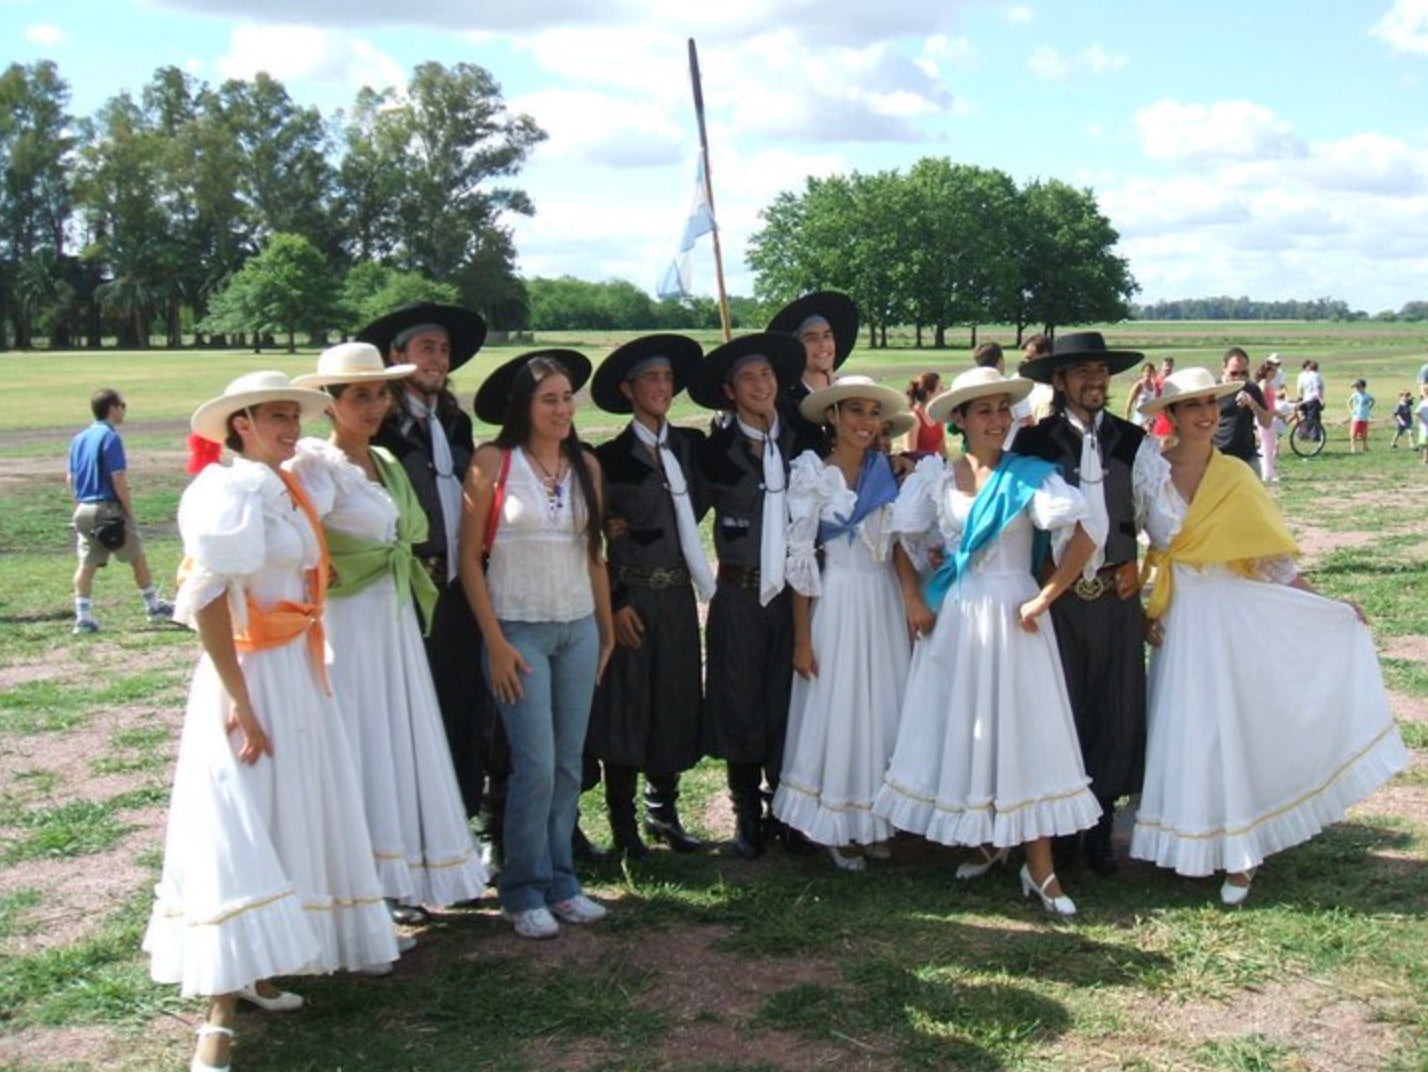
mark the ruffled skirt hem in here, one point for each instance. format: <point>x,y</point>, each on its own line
<point>826,822</point>
<point>985,822</point>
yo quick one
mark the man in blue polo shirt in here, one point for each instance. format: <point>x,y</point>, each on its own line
<point>99,485</point>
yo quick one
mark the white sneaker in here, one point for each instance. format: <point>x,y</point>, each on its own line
<point>161,611</point>
<point>532,923</point>
<point>579,909</point>
<point>85,626</point>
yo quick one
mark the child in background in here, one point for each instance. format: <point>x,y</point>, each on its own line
<point>1403,419</point>
<point>1360,406</point>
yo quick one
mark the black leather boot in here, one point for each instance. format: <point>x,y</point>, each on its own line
<point>662,814</point>
<point>620,800</point>
<point>1100,850</point>
<point>748,810</point>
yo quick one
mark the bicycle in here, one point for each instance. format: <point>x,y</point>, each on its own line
<point>1307,434</point>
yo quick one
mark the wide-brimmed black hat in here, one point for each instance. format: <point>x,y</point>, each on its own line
<point>465,329</point>
<point>784,354</point>
<point>837,308</point>
<point>682,353</point>
<point>1074,348</point>
<point>492,395</point>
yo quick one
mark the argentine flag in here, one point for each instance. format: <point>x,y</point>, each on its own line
<point>674,283</point>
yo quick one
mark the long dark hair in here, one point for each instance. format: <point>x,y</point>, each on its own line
<point>516,429</point>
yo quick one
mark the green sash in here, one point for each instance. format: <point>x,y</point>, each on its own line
<point>358,561</point>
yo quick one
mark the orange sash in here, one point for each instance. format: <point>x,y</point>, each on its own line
<point>288,619</point>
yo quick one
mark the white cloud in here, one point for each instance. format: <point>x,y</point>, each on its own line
<point>599,128</point>
<point>1055,66</point>
<point>1017,14</point>
<point>1404,27</point>
<point>291,53</point>
<point>45,34</point>
<point>1224,130</point>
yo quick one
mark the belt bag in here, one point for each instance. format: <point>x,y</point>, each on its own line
<point>110,532</point>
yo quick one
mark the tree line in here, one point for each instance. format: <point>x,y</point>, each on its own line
<point>945,245</point>
<point>1225,307</point>
<point>140,219</point>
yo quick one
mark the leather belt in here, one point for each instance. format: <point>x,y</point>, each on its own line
<point>653,577</point>
<point>745,577</point>
<point>1104,581</point>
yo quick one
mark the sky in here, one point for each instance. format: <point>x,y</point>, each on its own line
<point>1272,148</point>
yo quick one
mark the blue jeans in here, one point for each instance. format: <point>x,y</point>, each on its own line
<point>546,728</point>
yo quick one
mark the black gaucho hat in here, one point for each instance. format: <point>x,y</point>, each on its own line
<point>493,394</point>
<point>784,353</point>
<point>1077,347</point>
<point>682,353</point>
<point>837,308</point>
<point>465,329</point>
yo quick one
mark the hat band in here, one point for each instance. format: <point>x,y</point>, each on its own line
<point>406,335</point>
<point>817,320</point>
<point>655,361</point>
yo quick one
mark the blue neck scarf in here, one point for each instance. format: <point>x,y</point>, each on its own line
<point>1002,497</point>
<point>876,487</point>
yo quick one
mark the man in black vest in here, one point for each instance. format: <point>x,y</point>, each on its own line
<point>1100,626</point>
<point>648,710</point>
<point>432,437</point>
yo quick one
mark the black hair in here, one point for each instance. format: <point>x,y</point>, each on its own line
<point>102,401</point>
<point>516,430</point>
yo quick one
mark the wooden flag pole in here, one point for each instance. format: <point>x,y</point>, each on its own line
<point>709,188</point>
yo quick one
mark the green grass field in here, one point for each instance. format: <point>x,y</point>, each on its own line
<point>707,963</point>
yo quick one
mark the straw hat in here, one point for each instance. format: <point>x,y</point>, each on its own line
<point>835,307</point>
<point>784,353</point>
<point>465,330</point>
<point>682,353</point>
<point>816,403</point>
<point>495,391</point>
<point>351,362</point>
<point>210,420</point>
<point>1185,384</point>
<point>977,383</point>
<point>1075,348</point>
<point>899,424</point>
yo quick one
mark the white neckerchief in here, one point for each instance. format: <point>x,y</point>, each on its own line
<point>448,484</point>
<point>773,549</point>
<point>689,546</point>
<point>1093,488</point>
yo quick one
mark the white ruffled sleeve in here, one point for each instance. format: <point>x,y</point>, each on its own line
<point>1276,569</point>
<point>1158,509</point>
<point>317,464</point>
<point>914,515</point>
<point>1056,507</point>
<point>221,520</point>
<point>807,493</point>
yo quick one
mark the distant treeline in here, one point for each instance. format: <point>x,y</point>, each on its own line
<point>1225,307</point>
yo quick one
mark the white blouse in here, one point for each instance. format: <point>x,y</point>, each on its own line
<point>539,569</point>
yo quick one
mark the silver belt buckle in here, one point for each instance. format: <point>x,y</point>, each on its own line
<point>1091,589</point>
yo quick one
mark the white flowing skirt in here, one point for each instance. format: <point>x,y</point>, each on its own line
<point>987,750</point>
<point>380,676</point>
<point>842,724</point>
<point>1268,720</point>
<point>268,867</point>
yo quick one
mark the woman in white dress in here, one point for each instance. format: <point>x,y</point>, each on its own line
<point>986,750</point>
<point>1229,779</point>
<point>851,646</point>
<point>268,867</point>
<point>380,675</point>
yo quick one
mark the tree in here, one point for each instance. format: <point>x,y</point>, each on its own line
<point>370,290</point>
<point>285,289</point>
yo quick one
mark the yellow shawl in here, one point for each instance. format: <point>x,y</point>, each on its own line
<point>1232,521</point>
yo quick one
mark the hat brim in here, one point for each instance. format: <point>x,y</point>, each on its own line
<point>464,328</point>
<point>210,420</point>
<point>900,423</point>
<point>682,352</point>
<point>1041,369</point>
<point>319,380</point>
<point>1152,406</point>
<point>815,405</point>
<point>783,352</point>
<point>837,308</point>
<point>495,391</point>
<point>1014,387</point>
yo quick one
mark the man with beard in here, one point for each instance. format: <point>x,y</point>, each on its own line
<point>1100,626</point>
<point>432,437</point>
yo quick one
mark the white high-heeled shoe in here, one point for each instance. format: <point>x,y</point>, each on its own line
<point>204,1030</point>
<point>1232,893</point>
<point>282,1001</point>
<point>847,863</point>
<point>1060,905</point>
<point>977,868</point>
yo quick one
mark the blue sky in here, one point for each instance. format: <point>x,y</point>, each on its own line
<point>1264,147</point>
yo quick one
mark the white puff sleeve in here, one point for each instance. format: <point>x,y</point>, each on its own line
<point>811,486</point>
<point>1056,507</point>
<point>318,464</point>
<point>914,514</point>
<point>221,520</point>
<point>1158,507</point>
